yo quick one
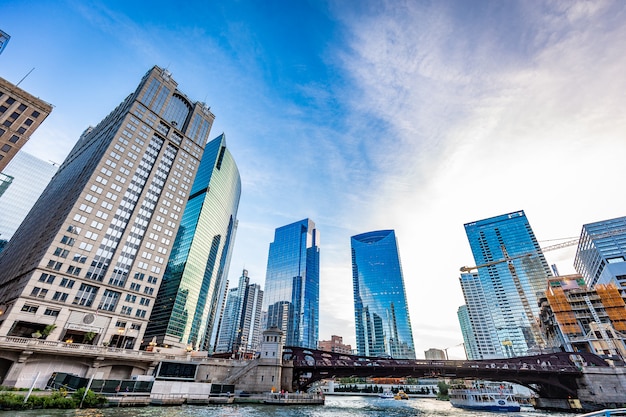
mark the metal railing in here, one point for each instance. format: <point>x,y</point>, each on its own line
<point>614,412</point>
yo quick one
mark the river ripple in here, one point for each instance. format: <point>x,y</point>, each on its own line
<point>336,406</point>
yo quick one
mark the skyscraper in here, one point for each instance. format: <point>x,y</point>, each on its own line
<point>240,329</point>
<point>30,175</point>
<point>511,289</point>
<point>601,254</point>
<point>90,255</point>
<point>383,325</point>
<point>292,290</point>
<point>4,40</point>
<point>20,115</point>
<point>469,339</point>
<point>191,296</point>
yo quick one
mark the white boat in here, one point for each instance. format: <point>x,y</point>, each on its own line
<point>386,394</point>
<point>484,397</point>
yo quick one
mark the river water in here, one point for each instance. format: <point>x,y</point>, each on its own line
<point>336,406</point>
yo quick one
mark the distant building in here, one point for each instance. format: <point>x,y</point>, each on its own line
<point>20,115</point>
<point>435,354</point>
<point>4,40</point>
<point>469,339</point>
<point>292,283</point>
<point>335,344</point>
<point>5,182</point>
<point>240,328</point>
<point>30,175</point>
<point>502,300</point>
<point>383,324</point>
<point>90,255</point>
<point>576,318</point>
<point>601,254</point>
<point>190,301</point>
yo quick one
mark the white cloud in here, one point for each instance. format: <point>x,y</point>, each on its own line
<point>470,138</point>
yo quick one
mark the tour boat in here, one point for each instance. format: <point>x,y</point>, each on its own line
<point>484,397</point>
<point>386,394</point>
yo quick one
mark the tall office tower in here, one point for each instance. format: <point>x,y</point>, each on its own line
<point>191,297</point>
<point>292,283</point>
<point>469,339</point>
<point>511,288</point>
<point>30,175</point>
<point>601,254</point>
<point>20,115</point>
<point>577,318</point>
<point>481,333</point>
<point>4,39</point>
<point>383,325</point>
<point>241,323</point>
<point>90,255</point>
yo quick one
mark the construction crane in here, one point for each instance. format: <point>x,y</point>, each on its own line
<point>518,286</point>
<point>562,245</point>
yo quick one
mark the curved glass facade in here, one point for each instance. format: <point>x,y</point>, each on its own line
<point>291,297</point>
<point>194,284</point>
<point>383,325</point>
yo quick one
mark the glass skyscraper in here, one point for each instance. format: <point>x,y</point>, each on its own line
<point>601,254</point>
<point>191,297</point>
<point>240,329</point>
<point>30,177</point>
<point>383,325</point>
<point>292,289</point>
<point>507,309</point>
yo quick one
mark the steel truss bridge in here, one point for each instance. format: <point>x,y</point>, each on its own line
<point>552,375</point>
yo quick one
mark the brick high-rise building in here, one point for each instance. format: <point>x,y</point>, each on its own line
<point>21,113</point>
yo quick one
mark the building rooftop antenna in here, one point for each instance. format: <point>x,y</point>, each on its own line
<point>23,78</point>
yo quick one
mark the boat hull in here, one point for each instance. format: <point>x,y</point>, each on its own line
<point>493,407</point>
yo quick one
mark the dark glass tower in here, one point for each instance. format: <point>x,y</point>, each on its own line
<point>191,296</point>
<point>383,325</point>
<point>292,290</point>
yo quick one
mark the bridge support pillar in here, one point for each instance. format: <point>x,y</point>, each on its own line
<point>558,404</point>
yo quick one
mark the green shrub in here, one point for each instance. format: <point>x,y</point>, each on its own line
<point>91,399</point>
<point>10,401</point>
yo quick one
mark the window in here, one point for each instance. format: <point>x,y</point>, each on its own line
<point>35,114</point>
<point>14,139</point>
<point>51,312</point>
<point>60,296</point>
<point>85,295</point>
<point>29,308</point>
<point>47,278</point>
<point>35,292</point>
<point>5,147</point>
<point>67,283</point>
<point>109,300</point>
<point>66,240</point>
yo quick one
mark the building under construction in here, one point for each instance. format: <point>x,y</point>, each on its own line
<point>576,318</point>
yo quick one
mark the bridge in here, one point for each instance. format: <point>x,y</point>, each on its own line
<point>551,376</point>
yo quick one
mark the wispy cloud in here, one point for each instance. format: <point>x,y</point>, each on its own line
<point>475,121</point>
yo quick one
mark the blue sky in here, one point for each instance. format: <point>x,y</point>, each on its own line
<point>414,115</point>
